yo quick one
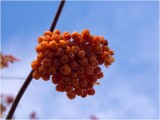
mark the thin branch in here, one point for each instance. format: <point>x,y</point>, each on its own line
<point>29,78</point>
<point>12,77</point>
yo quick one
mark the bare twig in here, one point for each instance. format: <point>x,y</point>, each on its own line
<point>29,78</point>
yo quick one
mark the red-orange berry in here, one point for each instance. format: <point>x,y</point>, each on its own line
<point>53,45</point>
<point>100,75</point>
<point>46,62</point>
<point>64,59</point>
<point>91,91</point>
<point>55,80</point>
<point>74,65</point>
<point>81,54</point>
<point>35,64</point>
<point>89,69</point>
<point>66,35</point>
<point>46,77</point>
<point>71,95</point>
<point>42,70</point>
<point>40,39</point>
<point>40,56</point>
<point>75,49</point>
<point>57,32</point>
<point>83,61</point>
<point>60,87</point>
<point>79,91</point>
<point>65,69</point>
<point>76,36</point>
<point>36,75</point>
<point>52,70</point>
<point>48,54</point>
<point>48,33</point>
<point>97,70</point>
<point>85,34</point>
<point>68,88</point>
<point>62,43</point>
<point>111,52</point>
<point>39,48</point>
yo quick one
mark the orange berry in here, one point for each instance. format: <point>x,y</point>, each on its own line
<point>68,88</point>
<point>73,74</point>
<point>53,45</point>
<point>42,70</point>
<point>76,36</point>
<point>52,70</point>
<point>64,59</point>
<point>100,60</point>
<point>71,95</point>
<point>74,65</point>
<point>66,35</point>
<point>75,49</point>
<point>108,61</point>
<point>48,33</point>
<point>74,81</point>
<point>46,62</point>
<point>35,64</point>
<point>55,37</point>
<point>83,82</point>
<point>55,80</point>
<point>40,56</point>
<point>90,85</point>
<point>62,43</point>
<point>102,39</point>
<point>91,91</point>
<point>105,42</point>
<point>65,69</point>
<point>40,39</point>
<point>55,62</point>
<point>39,48</point>
<point>97,70</point>
<point>60,87</point>
<point>47,38</point>
<point>100,75</point>
<point>65,80</point>
<point>68,50</point>
<point>111,52</point>
<point>85,34</point>
<point>36,75</point>
<point>59,52</point>
<point>48,54</point>
<point>81,70</point>
<point>89,69</point>
<point>79,91</point>
<point>92,58</point>
<point>44,45</point>
<point>46,77</point>
<point>71,56</point>
<point>84,94</point>
<point>97,40</point>
<point>93,79</point>
<point>83,61</point>
<point>105,54</point>
<point>57,32</point>
<point>105,48</point>
<point>98,48</point>
<point>81,54</point>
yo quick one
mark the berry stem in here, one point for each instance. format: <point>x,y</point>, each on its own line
<point>29,78</point>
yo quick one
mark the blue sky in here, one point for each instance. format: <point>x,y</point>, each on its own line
<point>129,89</point>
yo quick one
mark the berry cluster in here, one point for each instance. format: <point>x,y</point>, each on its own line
<point>5,59</point>
<point>72,61</point>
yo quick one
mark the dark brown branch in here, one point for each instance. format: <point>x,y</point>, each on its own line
<point>29,78</point>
